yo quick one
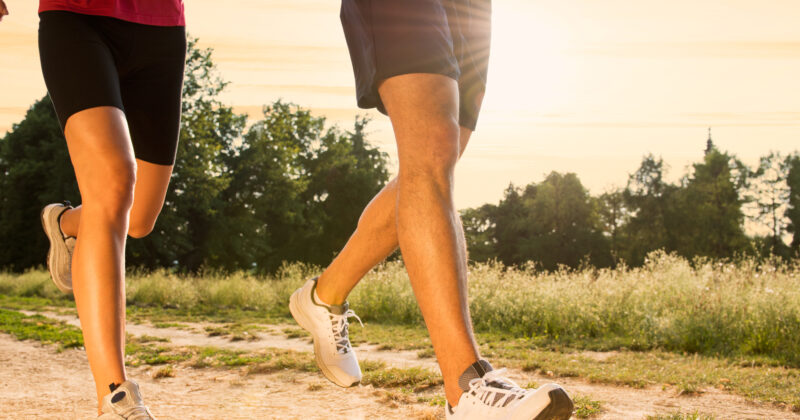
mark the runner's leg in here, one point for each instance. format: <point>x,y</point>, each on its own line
<point>101,153</point>
<point>374,239</point>
<point>424,113</point>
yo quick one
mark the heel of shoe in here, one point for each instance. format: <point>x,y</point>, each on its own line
<point>560,408</point>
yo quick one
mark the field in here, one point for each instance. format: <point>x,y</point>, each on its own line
<point>670,340</point>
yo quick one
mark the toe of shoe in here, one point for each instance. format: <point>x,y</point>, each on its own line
<point>346,371</point>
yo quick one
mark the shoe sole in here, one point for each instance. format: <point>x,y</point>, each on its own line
<point>302,320</point>
<point>57,254</point>
<point>560,407</point>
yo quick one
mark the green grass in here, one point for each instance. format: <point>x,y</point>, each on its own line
<point>687,326</point>
<point>717,309</point>
<point>586,408</point>
<point>39,328</point>
<point>416,379</point>
<point>687,374</point>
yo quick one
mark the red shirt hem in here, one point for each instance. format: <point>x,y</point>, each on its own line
<point>177,20</point>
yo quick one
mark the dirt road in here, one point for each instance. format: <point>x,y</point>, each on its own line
<point>36,382</point>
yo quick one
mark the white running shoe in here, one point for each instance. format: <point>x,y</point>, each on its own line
<point>328,327</point>
<point>489,396</point>
<point>59,257</point>
<point>125,403</point>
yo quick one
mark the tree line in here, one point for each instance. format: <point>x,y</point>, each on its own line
<point>289,187</point>
<point>284,188</point>
<point>557,222</point>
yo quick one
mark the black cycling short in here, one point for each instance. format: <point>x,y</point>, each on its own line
<point>389,38</point>
<point>90,61</point>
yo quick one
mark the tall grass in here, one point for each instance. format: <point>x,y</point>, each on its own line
<point>734,309</point>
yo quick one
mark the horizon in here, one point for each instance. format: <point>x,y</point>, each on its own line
<point>569,90</point>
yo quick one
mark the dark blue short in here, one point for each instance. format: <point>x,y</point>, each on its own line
<point>389,38</point>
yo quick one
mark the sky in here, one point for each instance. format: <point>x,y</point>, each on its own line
<point>581,86</point>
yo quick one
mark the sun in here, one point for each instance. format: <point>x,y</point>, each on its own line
<point>530,67</point>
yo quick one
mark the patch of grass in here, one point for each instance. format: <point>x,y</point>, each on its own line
<point>681,416</point>
<point>316,386</point>
<point>168,325</point>
<point>426,353</point>
<point>34,284</point>
<point>391,337</point>
<point>292,332</point>
<point>216,331</point>
<point>40,328</point>
<point>689,389</point>
<point>774,384</point>
<point>585,407</point>
<point>143,353</point>
<point>152,339</point>
<point>436,400</point>
<point>417,379</point>
<point>234,331</point>
<point>164,372</point>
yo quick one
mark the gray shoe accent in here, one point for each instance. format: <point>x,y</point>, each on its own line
<point>474,371</point>
<point>478,370</point>
<point>560,407</point>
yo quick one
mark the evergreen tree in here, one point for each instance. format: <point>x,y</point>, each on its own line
<point>712,208</point>
<point>614,216</point>
<point>654,212</point>
<point>769,193</point>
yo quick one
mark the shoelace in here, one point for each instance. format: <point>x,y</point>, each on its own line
<point>138,412</point>
<point>489,391</point>
<point>339,325</point>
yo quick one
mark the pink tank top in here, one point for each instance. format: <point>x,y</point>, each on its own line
<point>147,12</point>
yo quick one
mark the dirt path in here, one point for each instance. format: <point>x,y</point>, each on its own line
<point>618,402</point>
<point>36,382</point>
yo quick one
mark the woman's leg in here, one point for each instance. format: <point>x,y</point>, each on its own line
<point>105,167</point>
<point>150,191</point>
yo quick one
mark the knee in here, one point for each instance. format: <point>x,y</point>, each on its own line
<point>112,193</point>
<point>437,160</point>
<point>140,228</point>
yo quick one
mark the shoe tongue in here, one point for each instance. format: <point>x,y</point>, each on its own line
<point>476,370</point>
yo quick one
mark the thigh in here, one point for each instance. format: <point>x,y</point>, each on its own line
<point>78,65</point>
<point>151,92</point>
<point>423,108</point>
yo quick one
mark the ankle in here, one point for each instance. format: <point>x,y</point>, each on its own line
<point>452,394</point>
<point>327,296</point>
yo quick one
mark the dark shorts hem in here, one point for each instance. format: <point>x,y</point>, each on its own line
<point>91,61</point>
<point>392,38</point>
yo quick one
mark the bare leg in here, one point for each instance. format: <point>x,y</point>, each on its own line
<point>424,113</point>
<point>374,239</point>
<point>101,153</point>
<point>152,181</point>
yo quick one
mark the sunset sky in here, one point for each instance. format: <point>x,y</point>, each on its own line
<point>580,86</point>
